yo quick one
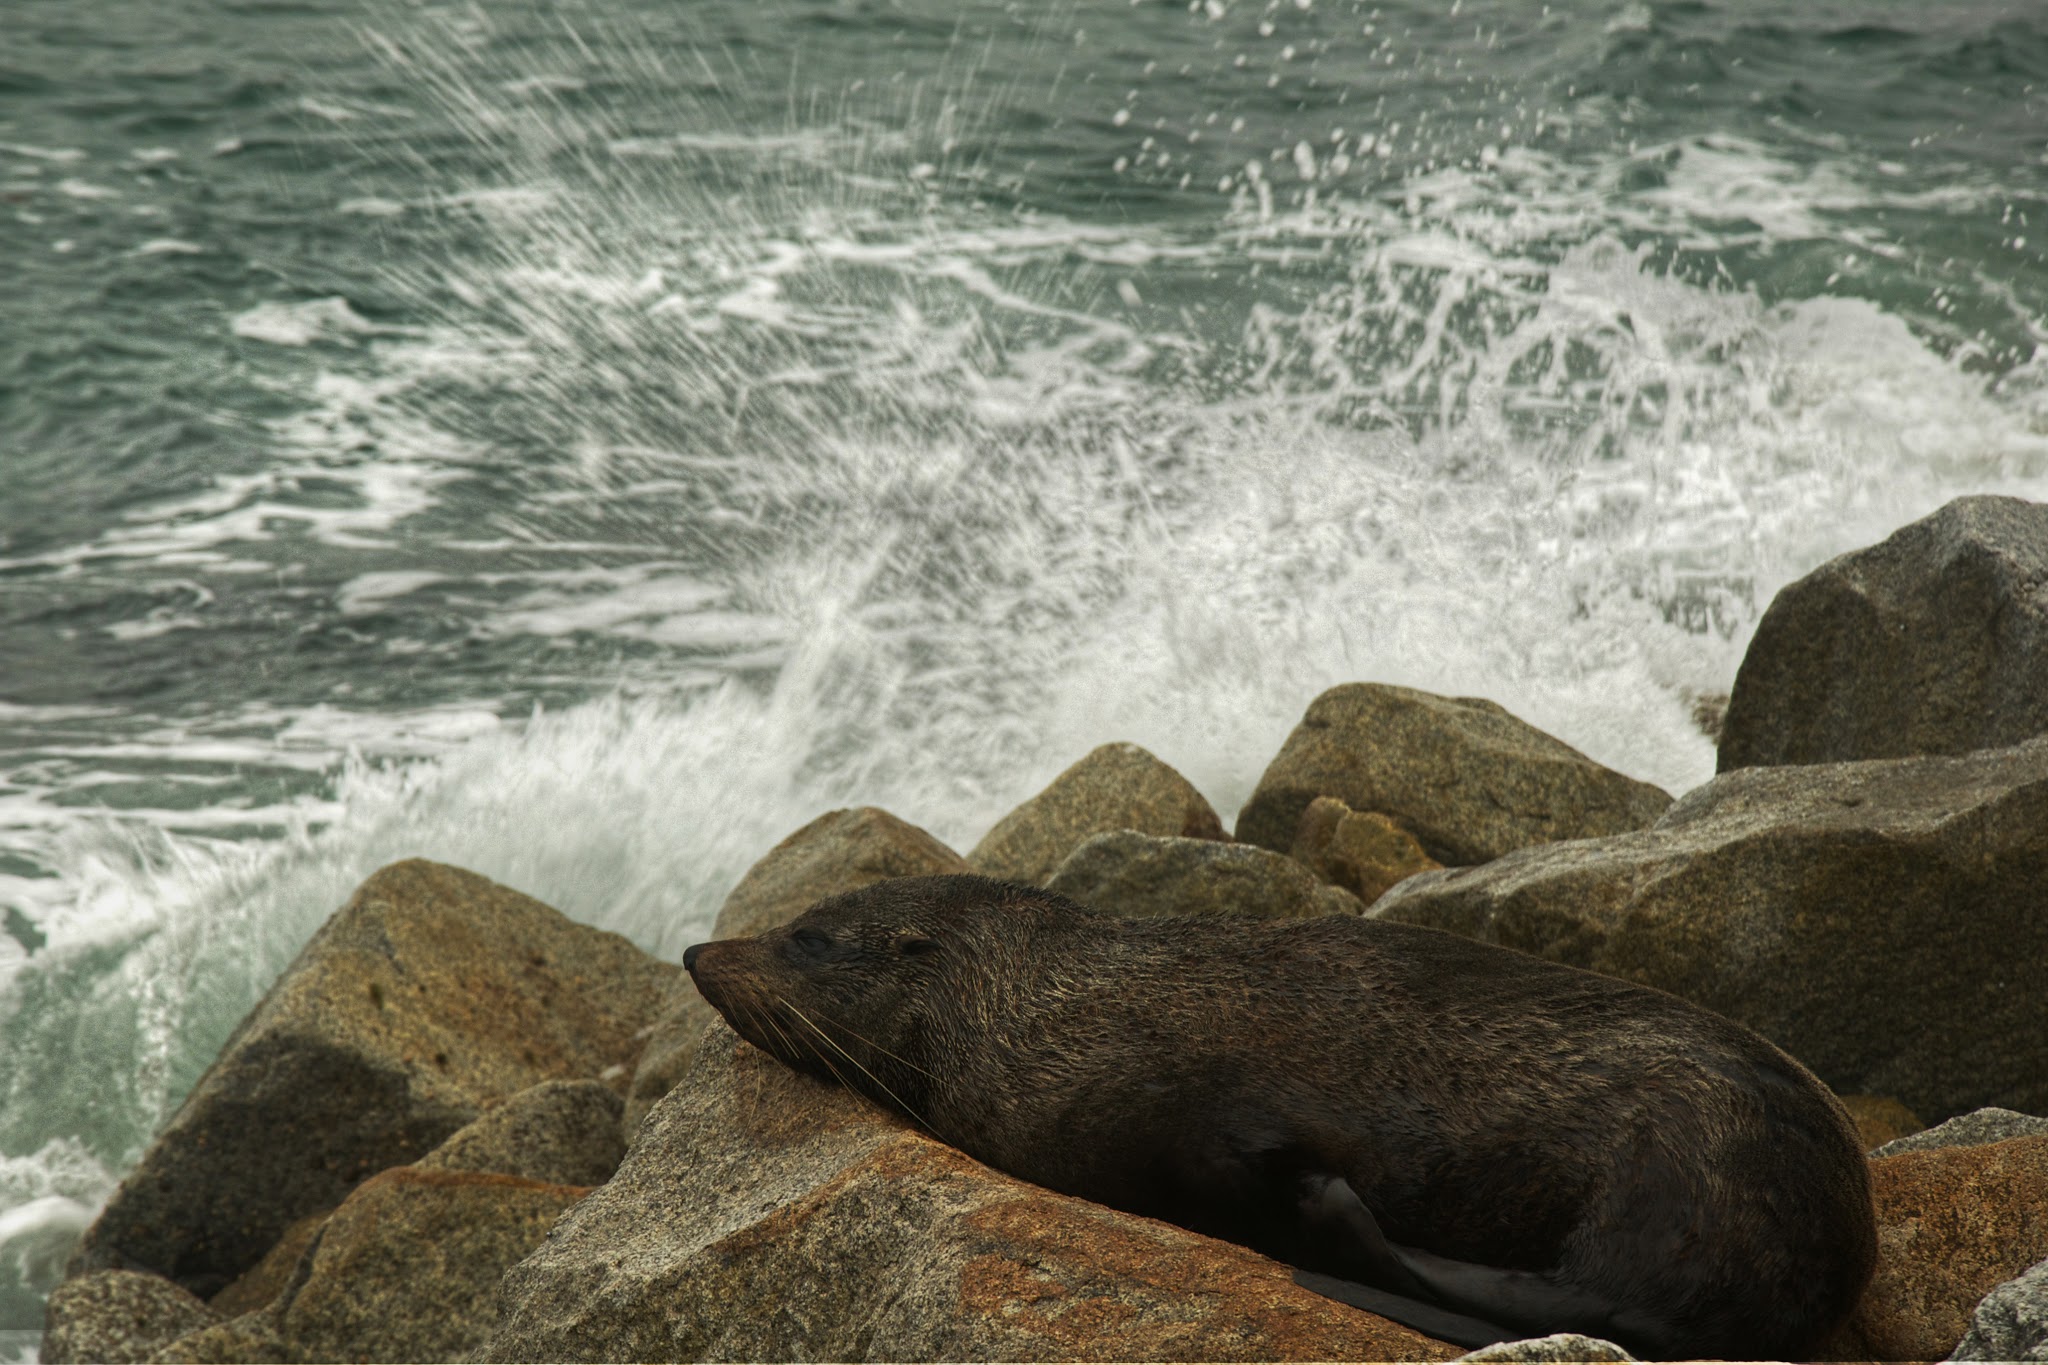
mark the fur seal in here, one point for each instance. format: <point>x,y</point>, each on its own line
<point>1461,1137</point>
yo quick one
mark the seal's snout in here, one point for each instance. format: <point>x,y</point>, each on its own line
<point>690,956</point>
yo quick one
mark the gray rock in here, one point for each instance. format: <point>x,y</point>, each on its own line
<point>1933,642</point>
<point>1884,922</point>
<point>1969,1130</point>
<point>1117,786</point>
<point>1135,874</point>
<point>432,994</point>
<point>118,1317</point>
<point>762,1215</point>
<point>1560,1346</point>
<point>557,1132</point>
<point>1467,779</point>
<point>2012,1322</point>
<point>842,850</point>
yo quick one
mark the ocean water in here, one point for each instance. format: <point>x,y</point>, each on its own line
<point>585,441</point>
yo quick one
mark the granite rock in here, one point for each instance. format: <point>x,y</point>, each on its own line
<point>2012,1321</point>
<point>1810,903</point>
<point>1466,778</point>
<point>1135,874</point>
<point>118,1317</point>
<point>762,1215</point>
<point>557,1132</point>
<point>1365,853</point>
<point>432,994</point>
<point>842,850</point>
<point>1953,1224</point>
<point>1115,787</point>
<point>1973,1129</point>
<point>1933,642</point>
<point>1559,1346</point>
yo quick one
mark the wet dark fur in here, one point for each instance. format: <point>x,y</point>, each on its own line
<point>1636,1152</point>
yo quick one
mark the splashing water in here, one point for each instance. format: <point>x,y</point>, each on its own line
<point>705,446</point>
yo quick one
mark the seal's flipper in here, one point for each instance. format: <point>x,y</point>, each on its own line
<point>1426,1318</point>
<point>1516,1296</point>
<point>1339,1218</point>
<point>1409,1278</point>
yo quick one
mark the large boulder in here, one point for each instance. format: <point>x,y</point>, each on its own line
<point>762,1215</point>
<point>1117,786</point>
<point>1137,875</point>
<point>431,995</point>
<point>1467,779</point>
<point>118,1317</point>
<point>842,850</point>
<point>1933,642</point>
<point>1953,1224</point>
<point>1884,922</point>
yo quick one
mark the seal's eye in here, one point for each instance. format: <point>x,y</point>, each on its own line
<point>912,946</point>
<point>811,941</point>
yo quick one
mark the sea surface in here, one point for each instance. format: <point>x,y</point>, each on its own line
<point>585,441</point>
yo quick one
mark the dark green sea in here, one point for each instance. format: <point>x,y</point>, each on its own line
<point>585,441</point>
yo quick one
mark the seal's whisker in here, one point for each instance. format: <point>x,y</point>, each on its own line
<point>806,1019</point>
<point>875,1045</point>
<point>803,1047</point>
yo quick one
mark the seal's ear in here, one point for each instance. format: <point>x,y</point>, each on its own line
<point>913,945</point>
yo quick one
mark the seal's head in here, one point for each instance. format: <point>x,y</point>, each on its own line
<point>841,992</point>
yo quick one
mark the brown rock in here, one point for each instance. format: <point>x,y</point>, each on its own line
<point>1116,787</point>
<point>117,1317</point>
<point>431,994</point>
<point>1365,853</point>
<point>557,1132</point>
<point>1933,642</point>
<point>762,1215</point>
<point>1467,779</point>
<point>1953,1223</point>
<point>1880,1119</point>
<point>840,851</point>
<point>1135,874</point>
<point>1807,902</point>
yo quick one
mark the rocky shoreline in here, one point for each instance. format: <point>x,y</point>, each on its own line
<point>461,1126</point>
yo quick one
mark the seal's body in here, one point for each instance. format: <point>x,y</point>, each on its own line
<point>1462,1125</point>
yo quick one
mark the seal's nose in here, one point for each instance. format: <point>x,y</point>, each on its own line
<point>690,955</point>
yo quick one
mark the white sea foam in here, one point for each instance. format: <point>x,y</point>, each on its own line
<point>912,503</point>
<point>47,1198</point>
<point>301,324</point>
